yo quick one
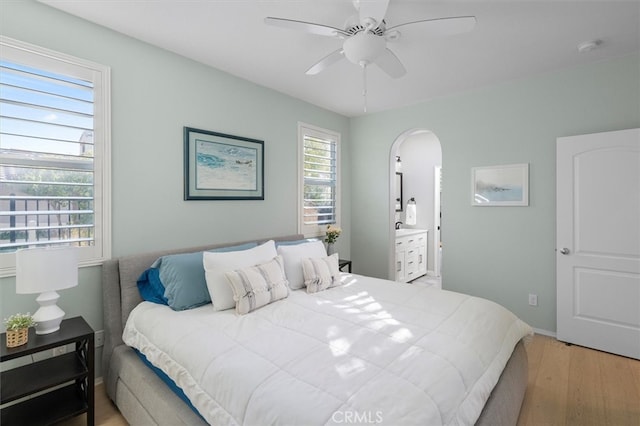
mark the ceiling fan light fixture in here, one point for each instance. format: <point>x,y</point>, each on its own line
<point>364,48</point>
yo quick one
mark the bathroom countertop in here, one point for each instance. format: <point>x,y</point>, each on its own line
<point>403,232</point>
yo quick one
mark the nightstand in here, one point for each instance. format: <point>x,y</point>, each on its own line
<point>343,262</point>
<point>72,374</point>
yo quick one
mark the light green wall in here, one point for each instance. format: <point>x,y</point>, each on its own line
<point>501,253</point>
<point>154,94</point>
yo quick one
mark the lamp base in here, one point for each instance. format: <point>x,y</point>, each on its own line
<point>49,316</point>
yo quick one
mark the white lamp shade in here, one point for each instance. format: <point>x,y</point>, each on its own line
<point>39,270</point>
<point>364,48</point>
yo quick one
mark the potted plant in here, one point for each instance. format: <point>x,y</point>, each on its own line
<point>333,232</point>
<point>18,329</point>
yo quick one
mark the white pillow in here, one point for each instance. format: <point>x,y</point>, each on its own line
<point>259,285</point>
<point>216,264</point>
<point>321,273</point>
<point>293,256</point>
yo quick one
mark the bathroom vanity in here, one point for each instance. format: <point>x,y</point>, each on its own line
<point>411,254</point>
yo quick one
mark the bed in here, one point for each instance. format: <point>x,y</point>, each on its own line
<point>312,358</point>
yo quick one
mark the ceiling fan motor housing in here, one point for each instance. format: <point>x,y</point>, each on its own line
<point>354,26</point>
<point>364,48</point>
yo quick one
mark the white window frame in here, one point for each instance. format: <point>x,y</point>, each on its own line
<point>38,57</point>
<point>314,131</point>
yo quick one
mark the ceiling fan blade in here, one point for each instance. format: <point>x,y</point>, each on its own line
<point>375,9</point>
<point>325,62</point>
<point>444,26</point>
<point>390,64</point>
<point>307,27</point>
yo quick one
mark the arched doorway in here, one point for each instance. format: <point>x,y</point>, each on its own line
<point>420,154</point>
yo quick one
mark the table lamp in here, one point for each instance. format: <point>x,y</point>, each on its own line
<point>45,270</point>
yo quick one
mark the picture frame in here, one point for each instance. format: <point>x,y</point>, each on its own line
<point>218,166</point>
<point>504,185</point>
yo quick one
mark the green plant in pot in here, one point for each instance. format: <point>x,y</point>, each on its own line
<point>18,329</point>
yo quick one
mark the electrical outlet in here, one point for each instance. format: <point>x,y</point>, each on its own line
<point>59,350</point>
<point>533,299</point>
<point>99,338</point>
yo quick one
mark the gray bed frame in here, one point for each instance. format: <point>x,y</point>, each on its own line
<point>144,399</point>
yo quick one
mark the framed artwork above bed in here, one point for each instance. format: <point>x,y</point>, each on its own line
<point>218,166</point>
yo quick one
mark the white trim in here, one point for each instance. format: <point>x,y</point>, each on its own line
<point>437,170</point>
<point>100,75</point>
<point>545,332</point>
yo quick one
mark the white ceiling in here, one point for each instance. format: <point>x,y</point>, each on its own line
<point>512,39</point>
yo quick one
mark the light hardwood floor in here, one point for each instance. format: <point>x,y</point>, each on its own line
<point>573,385</point>
<point>568,385</point>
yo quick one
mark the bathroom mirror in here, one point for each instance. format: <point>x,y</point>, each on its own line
<point>398,194</point>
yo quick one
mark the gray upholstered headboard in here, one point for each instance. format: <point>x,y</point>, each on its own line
<point>120,291</point>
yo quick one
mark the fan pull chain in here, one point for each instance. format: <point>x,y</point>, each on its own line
<point>364,85</point>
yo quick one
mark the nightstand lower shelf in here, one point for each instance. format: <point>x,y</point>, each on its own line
<point>39,376</point>
<point>51,407</point>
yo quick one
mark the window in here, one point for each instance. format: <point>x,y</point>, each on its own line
<point>319,177</point>
<point>54,153</point>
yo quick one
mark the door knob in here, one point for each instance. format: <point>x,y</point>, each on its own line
<point>564,251</point>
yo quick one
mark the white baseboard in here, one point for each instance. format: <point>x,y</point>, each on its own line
<point>545,332</point>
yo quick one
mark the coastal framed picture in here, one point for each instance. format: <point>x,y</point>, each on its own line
<point>506,185</point>
<point>218,166</point>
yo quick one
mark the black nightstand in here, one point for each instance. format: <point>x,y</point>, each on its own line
<point>343,262</point>
<point>73,370</point>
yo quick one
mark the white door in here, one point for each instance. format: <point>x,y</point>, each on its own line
<point>598,241</point>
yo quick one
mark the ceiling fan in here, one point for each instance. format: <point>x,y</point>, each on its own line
<point>366,35</point>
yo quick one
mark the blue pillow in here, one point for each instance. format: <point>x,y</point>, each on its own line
<point>151,288</point>
<point>182,278</point>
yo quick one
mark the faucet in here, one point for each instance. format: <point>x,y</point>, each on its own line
<point>398,225</point>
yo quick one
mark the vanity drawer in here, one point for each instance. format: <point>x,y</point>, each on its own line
<point>411,241</point>
<point>412,261</point>
<point>407,242</point>
<point>419,240</point>
<point>402,243</point>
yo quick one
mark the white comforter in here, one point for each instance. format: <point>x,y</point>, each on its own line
<point>371,351</point>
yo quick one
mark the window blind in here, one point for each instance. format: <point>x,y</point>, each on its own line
<point>320,180</point>
<point>46,158</point>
